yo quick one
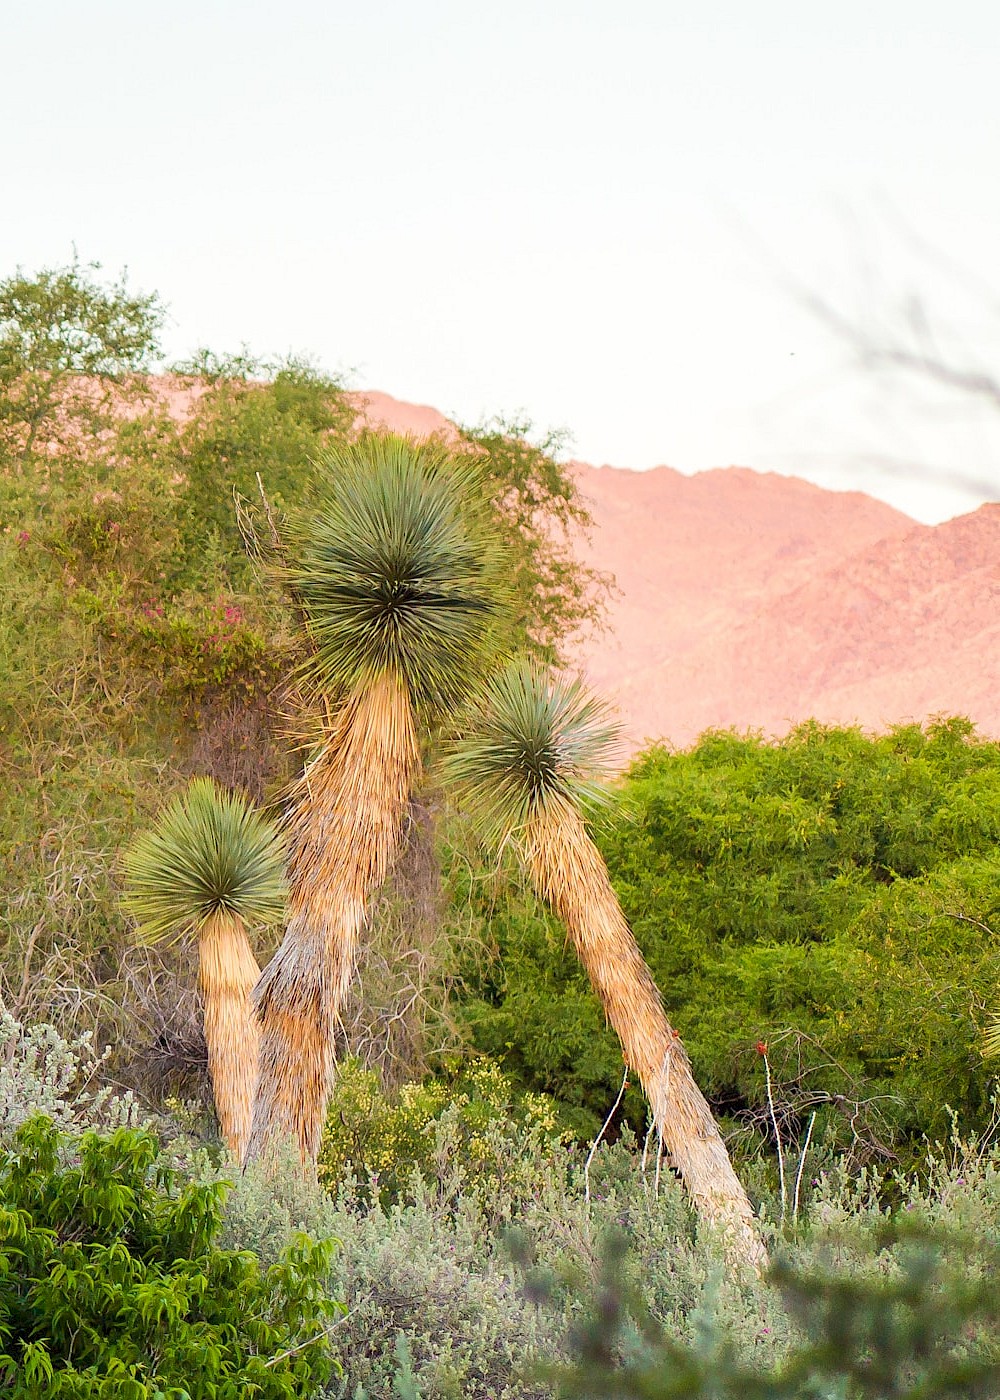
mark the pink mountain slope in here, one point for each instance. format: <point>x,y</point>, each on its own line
<point>905,629</point>
<point>376,410</point>
<point>757,601</point>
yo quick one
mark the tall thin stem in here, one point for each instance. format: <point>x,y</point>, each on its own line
<point>570,873</point>
<point>777,1136</point>
<point>802,1163</point>
<point>597,1140</point>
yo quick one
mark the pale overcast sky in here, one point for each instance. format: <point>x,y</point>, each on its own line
<point>581,212</point>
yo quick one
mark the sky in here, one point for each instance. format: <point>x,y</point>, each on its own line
<point>607,219</point>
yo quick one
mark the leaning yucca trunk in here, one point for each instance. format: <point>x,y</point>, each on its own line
<point>569,871</point>
<point>227,973</point>
<point>345,831</point>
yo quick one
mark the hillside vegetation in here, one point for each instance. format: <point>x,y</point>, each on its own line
<point>145,633</point>
<point>832,896</point>
<point>818,914</point>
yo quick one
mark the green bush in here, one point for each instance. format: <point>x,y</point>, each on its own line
<point>832,896</point>
<point>112,1284</point>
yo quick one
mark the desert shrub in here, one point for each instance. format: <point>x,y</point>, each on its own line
<point>832,895</point>
<point>536,498</point>
<point>112,1284</point>
<point>922,1329</point>
<point>41,1072</point>
<point>465,1293</point>
<point>254,418</point>
<point>474,1132</point>
<point>434,1268</point>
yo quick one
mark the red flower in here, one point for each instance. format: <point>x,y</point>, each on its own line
<point>762,1047</point>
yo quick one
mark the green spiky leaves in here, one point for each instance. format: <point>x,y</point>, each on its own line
<point>394,574</point>
<point>536,739</point>
<point>209,853</point>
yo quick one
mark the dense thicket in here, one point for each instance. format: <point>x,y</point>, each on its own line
<point>831,897</point>
<point>140,641</point>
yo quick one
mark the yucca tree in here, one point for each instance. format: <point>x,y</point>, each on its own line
<point>210,866</point>
<point>528,769</point>
<point>399,587</point>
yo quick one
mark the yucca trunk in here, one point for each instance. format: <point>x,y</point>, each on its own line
<point>345,831</point>
<point>227,973</point>
<point>570,873</point>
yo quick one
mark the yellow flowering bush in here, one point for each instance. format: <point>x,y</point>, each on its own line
<point>476,1130</point>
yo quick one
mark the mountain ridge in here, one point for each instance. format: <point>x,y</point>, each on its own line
<point>756,601</point>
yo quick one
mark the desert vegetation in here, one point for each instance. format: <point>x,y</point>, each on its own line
<point>281,692</point>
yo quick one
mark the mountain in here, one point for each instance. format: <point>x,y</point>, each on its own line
<point>753,600</point>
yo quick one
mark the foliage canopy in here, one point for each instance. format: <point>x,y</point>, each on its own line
<point>63,333</point>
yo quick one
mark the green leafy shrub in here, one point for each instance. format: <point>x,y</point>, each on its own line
<point>536,499</point>
<point>112,1284</point>
<point>69,342</point>
<point>194,645</point>
<point>833,896</point>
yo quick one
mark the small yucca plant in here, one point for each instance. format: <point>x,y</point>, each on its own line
<point>400,587</point>
<point>210,866</point>
<point>530,766</point>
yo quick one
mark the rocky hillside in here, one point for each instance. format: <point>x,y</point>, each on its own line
<point>756,601</point>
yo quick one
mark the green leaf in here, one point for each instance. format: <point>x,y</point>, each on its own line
<point>534,739</point>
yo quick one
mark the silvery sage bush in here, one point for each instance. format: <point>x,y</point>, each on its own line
<point>41,1072</point>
